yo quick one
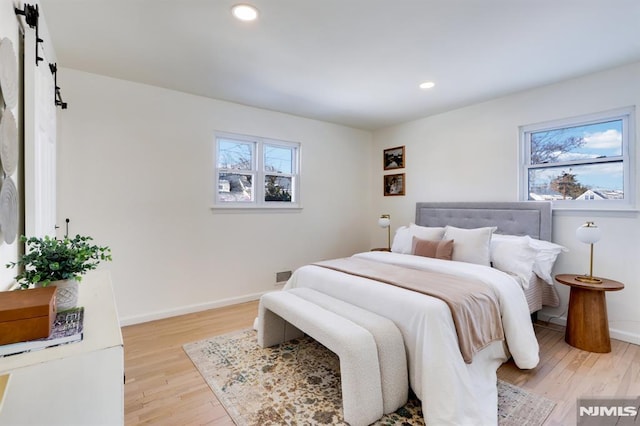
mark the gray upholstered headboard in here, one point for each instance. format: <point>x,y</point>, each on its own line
<point>531,218</point>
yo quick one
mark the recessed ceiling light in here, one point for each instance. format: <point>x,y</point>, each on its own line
<point>244,12</point>
<point>427,85</point>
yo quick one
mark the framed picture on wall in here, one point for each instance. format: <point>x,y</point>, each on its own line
<point>393,158</point>
<point>394,184</point>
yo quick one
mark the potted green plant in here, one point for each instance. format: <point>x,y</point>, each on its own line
<point>59,262</point>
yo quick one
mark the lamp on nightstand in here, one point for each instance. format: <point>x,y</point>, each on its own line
<point>385,222</point>
<point>589,233</point>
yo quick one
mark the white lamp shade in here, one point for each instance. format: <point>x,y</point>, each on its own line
<point>588,233</point>
<point>384,222</point>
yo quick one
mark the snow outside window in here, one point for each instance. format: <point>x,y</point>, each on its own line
<point>253,172</point>
<point>582,162</point>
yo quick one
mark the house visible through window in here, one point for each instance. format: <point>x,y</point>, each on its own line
<point>581,162</point>
<point>254,172</point>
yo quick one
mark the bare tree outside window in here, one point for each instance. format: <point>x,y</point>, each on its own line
<point>235,155</point>
<point>233,158</point>
<point>576,162</point>
<point>548,147</point>
<point>242,163</point>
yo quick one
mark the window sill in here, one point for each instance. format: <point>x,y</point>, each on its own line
<point>256,209</point>
<point>600,211</point>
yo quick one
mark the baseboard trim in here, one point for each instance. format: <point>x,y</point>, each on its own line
<point>137,319</point>
<point>625,336</point>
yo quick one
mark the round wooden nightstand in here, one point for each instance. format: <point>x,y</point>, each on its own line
<point>587,323</point>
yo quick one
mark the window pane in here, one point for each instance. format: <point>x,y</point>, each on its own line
<point>277,188</point>
<point>278,159</point>
<point>601,181</point>
<point>579,143</point>
<point>235,155</point>
<point>234,187</point>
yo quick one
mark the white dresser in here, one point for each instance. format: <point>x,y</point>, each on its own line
<point>76,384</point>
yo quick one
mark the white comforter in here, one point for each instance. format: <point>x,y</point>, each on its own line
<point>452,392</point>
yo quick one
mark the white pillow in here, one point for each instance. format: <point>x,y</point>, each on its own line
<point>426,232</point>
<point>470,245</point>
<point>403,238</point>
<point>514,256</point>
<point>546,255</point>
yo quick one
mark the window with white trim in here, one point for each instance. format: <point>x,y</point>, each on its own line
<point>582,162</point>
<point>253,172</point>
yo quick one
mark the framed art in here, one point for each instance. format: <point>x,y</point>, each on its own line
<point>393,158</point>
<point>394,184</point>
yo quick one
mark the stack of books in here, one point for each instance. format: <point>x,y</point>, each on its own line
<point>67,328</point>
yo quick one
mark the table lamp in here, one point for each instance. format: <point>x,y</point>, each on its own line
<point>385,222</point>
<point>589,233</point>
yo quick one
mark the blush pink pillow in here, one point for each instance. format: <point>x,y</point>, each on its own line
<point>442,249</point>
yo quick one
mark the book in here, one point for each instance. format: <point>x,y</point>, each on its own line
<point>67,328</point>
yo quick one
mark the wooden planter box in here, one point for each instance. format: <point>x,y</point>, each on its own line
<point>26,314</point>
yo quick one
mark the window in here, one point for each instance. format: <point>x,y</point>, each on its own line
<point>582,162</point>
<point>254,172</point>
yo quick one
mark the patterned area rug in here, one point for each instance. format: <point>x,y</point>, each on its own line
<point>298,382</point>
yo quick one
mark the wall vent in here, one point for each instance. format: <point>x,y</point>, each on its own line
<point>282,276</point>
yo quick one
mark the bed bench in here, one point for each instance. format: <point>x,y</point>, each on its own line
<point>373,362</point>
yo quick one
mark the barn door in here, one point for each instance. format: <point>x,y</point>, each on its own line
<point>40,142</point>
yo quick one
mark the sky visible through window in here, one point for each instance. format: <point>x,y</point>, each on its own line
<point>581,143</point>
<point>278,159</point>
<point>238,155</point>
<point>235,155</point>
<point>250,170</point>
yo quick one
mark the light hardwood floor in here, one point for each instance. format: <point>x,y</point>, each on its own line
<point>163,387</point>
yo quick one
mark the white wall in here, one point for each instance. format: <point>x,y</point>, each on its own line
<point>135,172</point>
<point>471,154</point>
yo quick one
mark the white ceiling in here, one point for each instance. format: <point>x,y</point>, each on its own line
<point>354,62</point>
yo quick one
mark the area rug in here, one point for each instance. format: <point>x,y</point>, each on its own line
<point>298,382</point>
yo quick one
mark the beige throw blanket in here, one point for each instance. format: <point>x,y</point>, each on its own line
<point>473,304</point>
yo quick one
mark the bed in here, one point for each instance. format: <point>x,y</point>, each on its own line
<point>452,391</point>
<point>511,218</point>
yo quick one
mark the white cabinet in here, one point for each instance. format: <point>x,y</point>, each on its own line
<point>76,384</point>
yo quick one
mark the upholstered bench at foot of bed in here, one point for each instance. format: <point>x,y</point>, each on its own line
<point>370,347</point>
<point>392,358</point>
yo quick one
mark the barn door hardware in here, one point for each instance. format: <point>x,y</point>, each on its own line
<point>31,15</point>
<point>57,97</point>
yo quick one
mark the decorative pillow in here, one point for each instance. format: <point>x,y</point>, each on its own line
<point>513,256</point>
<point>442,249</point>
<point>403,238</point>
<point>471,245</point>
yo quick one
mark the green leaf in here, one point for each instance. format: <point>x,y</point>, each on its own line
<point>49,259</point>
